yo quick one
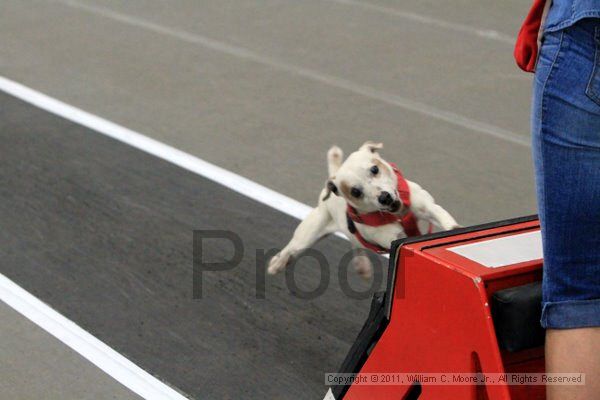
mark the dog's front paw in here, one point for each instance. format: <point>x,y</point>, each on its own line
<point>277,263</point>
<point>450,225</point>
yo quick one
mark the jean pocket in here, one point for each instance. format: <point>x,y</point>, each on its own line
<point>593,88</point>
<point>548,53</point>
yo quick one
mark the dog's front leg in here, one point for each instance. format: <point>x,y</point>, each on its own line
<point>316,225</point>
<point>424,207</point>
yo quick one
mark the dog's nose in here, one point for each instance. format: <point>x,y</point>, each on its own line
<point>385,198</point>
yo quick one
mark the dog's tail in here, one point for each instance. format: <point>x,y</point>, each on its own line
<point>335,157</point>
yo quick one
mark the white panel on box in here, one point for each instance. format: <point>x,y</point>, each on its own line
<point>507,250</point>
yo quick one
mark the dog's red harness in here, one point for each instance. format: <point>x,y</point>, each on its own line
<point>379,218</point>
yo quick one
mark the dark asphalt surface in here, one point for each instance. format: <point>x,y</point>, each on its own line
<point>103,233</point>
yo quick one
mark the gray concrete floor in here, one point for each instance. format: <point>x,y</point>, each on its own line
<point>263,88</point>
<point>35,365</point>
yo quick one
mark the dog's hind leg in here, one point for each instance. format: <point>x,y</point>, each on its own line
<point>335,156</point>
<point>362,263</point>
<point>311,229</point>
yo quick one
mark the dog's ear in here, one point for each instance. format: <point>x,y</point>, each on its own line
<point>330,188</point>
<point>371,146</point>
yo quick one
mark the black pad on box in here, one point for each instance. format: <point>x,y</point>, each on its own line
<point>516,312</point>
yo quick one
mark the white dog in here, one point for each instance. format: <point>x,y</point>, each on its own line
<point>372,205</point>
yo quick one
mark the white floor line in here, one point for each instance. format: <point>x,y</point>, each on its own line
<point>424,19</point>
<point>230,180</point>
<point>330,80</point>
<point>182,159</point>
<point>97,352</point>
<point>107,359</point>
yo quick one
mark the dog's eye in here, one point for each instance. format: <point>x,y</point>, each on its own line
<point>374,169</point>
<point>356,192</point>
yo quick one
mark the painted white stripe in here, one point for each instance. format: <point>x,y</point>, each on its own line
<point>330,80</point>
<point>230,180</point>
<point>107,359</point>
<point>424,19</point>
<point>329,395</point>
<point>182,159</point>
<point>500,252</point>
<point>101,355</point>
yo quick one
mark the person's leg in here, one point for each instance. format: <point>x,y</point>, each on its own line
<point>574,350</point>
<point>566,150</point>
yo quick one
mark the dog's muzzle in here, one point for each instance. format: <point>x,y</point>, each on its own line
<point>385,199</point>
<point>395,206</point>
<point>390,202</point>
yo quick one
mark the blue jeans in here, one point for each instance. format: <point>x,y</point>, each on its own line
<point>566,152</point>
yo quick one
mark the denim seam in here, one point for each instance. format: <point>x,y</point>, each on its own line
<point>559,307</point>
<point>552,69</point>
<point>589,90</point>
<point>543,106</point>
<point>543,112</point>
<point>570,21</point>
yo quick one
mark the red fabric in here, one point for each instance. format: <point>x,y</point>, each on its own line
<point>379,218</point>
<point>376,218</point>
<point>374,247</point>
<point>526,47</point>
<point>409,224</point>
<point>403,189</point>
<point>408,221</point>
